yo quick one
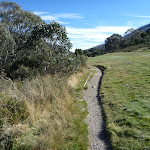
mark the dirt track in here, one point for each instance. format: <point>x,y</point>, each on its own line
<point>95,119</point>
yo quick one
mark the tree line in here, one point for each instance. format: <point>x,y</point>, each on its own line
<point>28,45</point>
<point>117,42</point>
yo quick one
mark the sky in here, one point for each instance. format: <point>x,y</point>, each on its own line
<point>89,22</point>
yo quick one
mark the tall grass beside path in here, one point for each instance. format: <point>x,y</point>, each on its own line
<point>43,113</point>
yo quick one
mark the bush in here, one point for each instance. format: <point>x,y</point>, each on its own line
<point>13,111</point>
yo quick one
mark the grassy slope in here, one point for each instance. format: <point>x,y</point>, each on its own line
<point>43,113</point>
<point>125,93</point>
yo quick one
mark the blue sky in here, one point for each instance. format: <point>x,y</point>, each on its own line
<point>90,22</point>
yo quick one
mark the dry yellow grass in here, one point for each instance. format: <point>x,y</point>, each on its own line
<point>46,115</point>
<point>74,80</point>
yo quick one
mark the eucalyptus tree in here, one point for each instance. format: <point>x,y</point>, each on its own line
<point>78,52</point>
<point>32,39</point>
<point>53,33</point>
<point>19,23</point>
<point>54,38</point>
<point>113,42</point>
<point>7,46</point>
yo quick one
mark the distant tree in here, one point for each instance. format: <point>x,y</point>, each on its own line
<point>87,53</point>
<point>148,31</point>
<point>113,42</point>
<point>136,38</point>
<point>124,43</point>
<point>143,34</point>
<point>78,52</point>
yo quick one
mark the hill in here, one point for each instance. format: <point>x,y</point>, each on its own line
<point>144,28</point>
<point>117,42</point>
<point>141,29</point>
<point>99,46</point>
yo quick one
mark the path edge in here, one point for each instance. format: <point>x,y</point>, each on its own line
<point>108,135</point>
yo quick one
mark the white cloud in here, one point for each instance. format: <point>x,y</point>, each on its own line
<point>49,18</point>
<point>136,23</point>
<point>85,38</point>
<point>98,29</point>
<point>142,16</point>
<point>69,16</point>
<point>40,12</point>
<point>94,38</point>
<point>137,20</point>
<point>83,44</point>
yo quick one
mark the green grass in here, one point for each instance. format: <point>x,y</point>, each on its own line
<point>125,93</point>
<point>81,111</point>
<point>83,79</point>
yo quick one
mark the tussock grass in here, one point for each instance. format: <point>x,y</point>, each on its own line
<point>43,113</point>
<point>126,98</point>
<point>75,79</point>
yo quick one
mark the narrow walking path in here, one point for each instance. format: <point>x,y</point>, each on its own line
<point>95,119</point>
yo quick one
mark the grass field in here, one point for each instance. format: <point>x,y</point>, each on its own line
<point>125,94</point>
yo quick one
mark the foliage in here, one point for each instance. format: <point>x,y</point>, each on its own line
<point>28,43</point>
<point>87,53</point>
<point>19,23</point>
<point>54,33</point>
<point>78,52</point>
<point>113,42</point>
<point>7,45</point>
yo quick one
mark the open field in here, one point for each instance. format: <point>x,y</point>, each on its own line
<point>125,94</point>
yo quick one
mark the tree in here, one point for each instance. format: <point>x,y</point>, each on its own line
<point>54,38</point>
<point>7,45</point>
<point>78,52</point>
<point>148,31</point>
<point>29,42</point>
<point>87,53</point>
<point>113,42</point>
<point>53,33</point>
<point>136,38</point>
<point>19,23</point>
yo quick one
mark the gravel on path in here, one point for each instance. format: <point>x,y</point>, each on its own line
<point>95,119</point>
